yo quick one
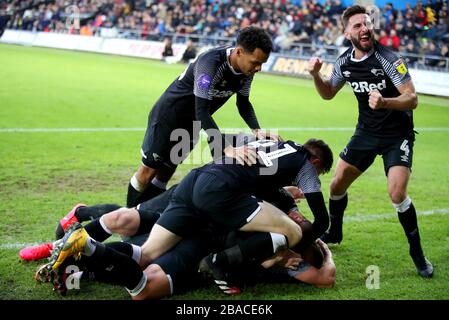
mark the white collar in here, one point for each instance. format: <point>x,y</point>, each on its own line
<point>366,56</point>
<point>228,55</point>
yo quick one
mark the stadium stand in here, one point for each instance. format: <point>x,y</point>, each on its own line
<point>299,28</point>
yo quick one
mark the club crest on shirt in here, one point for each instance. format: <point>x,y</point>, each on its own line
<point>347,74</point>
<point>377,72</point>
<point>399,65</point>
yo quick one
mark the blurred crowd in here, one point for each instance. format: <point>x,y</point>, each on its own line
<point>296,26</point>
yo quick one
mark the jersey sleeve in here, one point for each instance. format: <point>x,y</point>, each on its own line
<point>337,79</point>
<point>205,76</point>
<point>307,179</point>
<point>246,87</point>
<point>395,67</point>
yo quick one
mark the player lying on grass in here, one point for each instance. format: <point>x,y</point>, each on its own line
<point>222,193</point>
<point>178,268</point>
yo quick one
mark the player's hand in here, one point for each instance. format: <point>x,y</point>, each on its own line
<point>291,260</point>
<point>376,101</point>
<point>261,134</point>
<point>243,155</point>
<point>295,192</point>
<point>314,66</point>
<point>324,248</point>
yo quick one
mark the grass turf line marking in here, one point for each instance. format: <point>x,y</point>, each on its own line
<point>356,218</point>
<point>294,129</point>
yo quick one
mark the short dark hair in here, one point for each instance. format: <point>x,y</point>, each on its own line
<point>349,12</point>
<point>322,151</point>
<point>313,255</point>
<point>253,37</point>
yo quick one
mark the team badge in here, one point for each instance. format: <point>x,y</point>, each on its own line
<point>157,157</point>
<point>377,72</point>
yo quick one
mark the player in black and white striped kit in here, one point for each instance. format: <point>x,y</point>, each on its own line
<point>195,95</point>
<point>386,97</point>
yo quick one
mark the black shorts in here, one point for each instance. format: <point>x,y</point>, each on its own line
<point>363,148</point>
<point>159,148</point>
<point>149,212</point>
<point>181,263</point>
<point>201,198</point>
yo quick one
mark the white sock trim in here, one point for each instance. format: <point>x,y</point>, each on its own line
<point>170,282</point>
<point>279,241</point>
<point>252,215</point>
<point>137,253</point>
<point>404,205</point>
<point>136,184</point>
<point>158,183</point>
<point>103,225</point>
<point>336,198</point>
<point>90,247</point>
<point>140,286</point>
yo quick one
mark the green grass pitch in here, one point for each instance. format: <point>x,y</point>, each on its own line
<point>44,173</point>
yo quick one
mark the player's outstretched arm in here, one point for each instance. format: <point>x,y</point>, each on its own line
<point>324,87</point>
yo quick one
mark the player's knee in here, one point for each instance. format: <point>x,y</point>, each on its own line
<point>337,187</point>
<point>122,221</point>
<point>128,223</point>
<point>397,195</point>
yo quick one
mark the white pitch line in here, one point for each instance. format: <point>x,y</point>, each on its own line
<point>294,129</point>
<point>19,245</point>
<point>356,218</point>
<point>69,129</point>
<point>370,217</point>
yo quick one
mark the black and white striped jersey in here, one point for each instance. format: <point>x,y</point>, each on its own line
<point>381,69</point>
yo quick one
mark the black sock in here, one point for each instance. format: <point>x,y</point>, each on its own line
<point>150,192</point>
<point>113,267</point>
<point>122,247</point>
<point>94,212</point>
<point>259,246</point>
<point>336,211</point>
<point>409,223</point>
<point>133,196</point>
<point>96,231</point>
